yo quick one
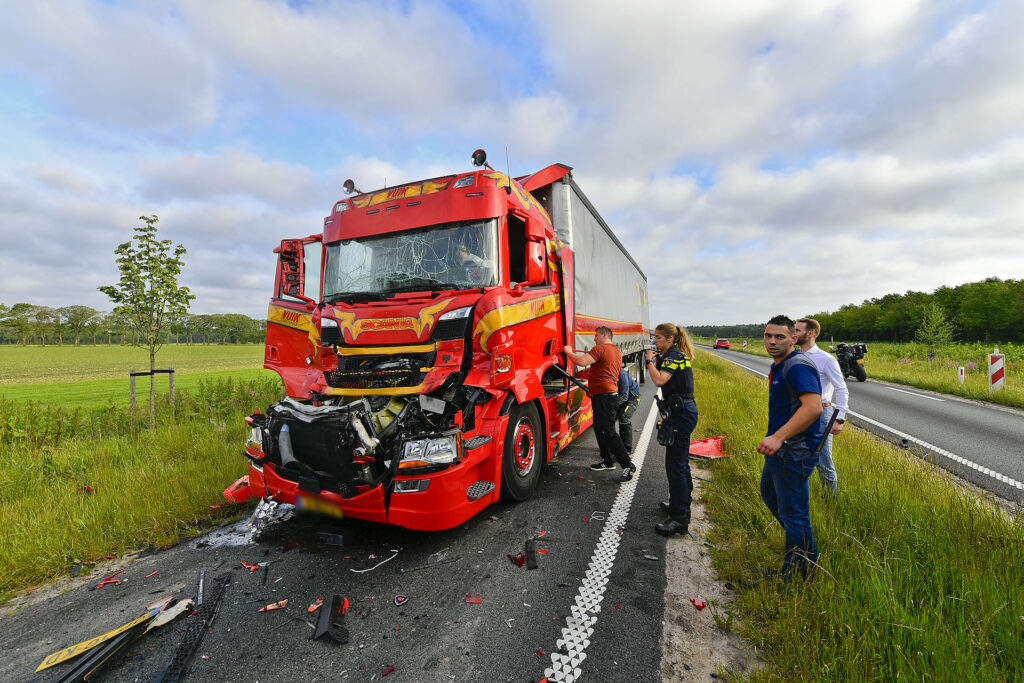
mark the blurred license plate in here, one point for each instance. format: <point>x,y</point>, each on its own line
<point>318,505</point>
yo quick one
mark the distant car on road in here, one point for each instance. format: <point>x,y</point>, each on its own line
<point>722,344</point>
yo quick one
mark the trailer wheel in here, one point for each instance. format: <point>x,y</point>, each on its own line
<point>523,453</point>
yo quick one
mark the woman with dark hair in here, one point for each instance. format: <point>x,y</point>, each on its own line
<point>674,374</point>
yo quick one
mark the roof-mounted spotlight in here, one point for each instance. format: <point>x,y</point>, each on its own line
<point>480,159</point>
<point>350,187</point>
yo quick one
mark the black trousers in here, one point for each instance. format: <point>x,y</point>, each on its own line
<point>625,418</point>
<point>606,407</point>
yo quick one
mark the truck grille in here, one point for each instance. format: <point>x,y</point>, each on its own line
<point>380,371</point>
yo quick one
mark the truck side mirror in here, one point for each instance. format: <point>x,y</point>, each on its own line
<point>535,265</point>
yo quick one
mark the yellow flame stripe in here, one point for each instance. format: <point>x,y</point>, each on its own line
<point>507,316</point>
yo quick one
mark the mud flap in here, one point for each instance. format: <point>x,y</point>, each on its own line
<point>239,492</point>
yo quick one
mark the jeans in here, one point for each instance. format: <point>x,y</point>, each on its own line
<point>785,492</point>
<point>826,468</point>
<point>677,461</point>
<point>608,440</point>
<point>625,418</point>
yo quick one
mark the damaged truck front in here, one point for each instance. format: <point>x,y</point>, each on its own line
<point>419,339</point>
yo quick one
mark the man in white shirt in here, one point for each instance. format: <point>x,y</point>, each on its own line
<point>834,395</point>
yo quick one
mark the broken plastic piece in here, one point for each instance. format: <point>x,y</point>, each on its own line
<point>250,567</point>
<point>388,670</point>
<point>699,604</point>
<point>710,448</point>
<point>541,533</point>
<point>531,554</point>
<point>329,622</point>
<point>314,607</point>
<point>400,600</point>
<point>85,489</point>
<point>109,580</point>
<point>280,604</point>
<point>519,559</point>
<point>169,615</point>
<point>542,551</point>
<point>474,599</point>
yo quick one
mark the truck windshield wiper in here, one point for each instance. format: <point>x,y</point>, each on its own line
<point>353,297</point>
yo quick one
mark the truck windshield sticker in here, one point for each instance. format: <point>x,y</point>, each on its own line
<point>450,256</point>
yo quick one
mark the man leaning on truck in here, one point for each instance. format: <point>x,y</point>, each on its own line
<point>606,360</point>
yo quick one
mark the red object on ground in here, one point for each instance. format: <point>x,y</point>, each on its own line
<point>344,606</point>
<point>540,652</point>
<point>519,559</point>
<point>388,670</point>
<point>110,579</point>
<point>711,447</point>
<point>280,604</point>
<point>314,606</point>
<point>85,489</point>
<point>214,507</point>
<point>542,551</point>
<point>541,534</point>
<point>699,604</point>
<point>250,567</point>
<point>151,574</point>
<point>474,600</point>
<point>239,492</point>
<point>110,557</point>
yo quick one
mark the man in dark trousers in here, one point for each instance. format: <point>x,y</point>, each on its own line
<point>605,362</point>
<point>790,446</point>
<point>629,401</point>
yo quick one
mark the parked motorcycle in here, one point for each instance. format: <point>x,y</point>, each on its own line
<point>851,360</point>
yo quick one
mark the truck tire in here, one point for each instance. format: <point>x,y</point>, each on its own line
<point>859,372</point>
<point>522,454</point>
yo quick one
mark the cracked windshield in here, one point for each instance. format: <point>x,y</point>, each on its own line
<point>461,255</point>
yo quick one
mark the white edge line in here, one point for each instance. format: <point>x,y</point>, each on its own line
<point>579,625</point>
<point>904,391</point>
<point>1002,478</point>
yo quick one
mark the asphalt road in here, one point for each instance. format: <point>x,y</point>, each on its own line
<point>597,595</point>
<point>980,442</point>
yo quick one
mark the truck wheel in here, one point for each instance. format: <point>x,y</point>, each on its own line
<point>860,373</point>
<point>523,453</point>
<point>635,372</point>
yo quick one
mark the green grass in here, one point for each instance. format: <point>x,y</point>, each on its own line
<point>149,485</point>
<point>919,580</point>
<point>908,364</point>
<point>98,375</point>
<point>45,364</point>
<point>93,392</point>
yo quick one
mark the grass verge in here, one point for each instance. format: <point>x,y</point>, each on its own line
<point>148,485</point>
<point>919,579</point>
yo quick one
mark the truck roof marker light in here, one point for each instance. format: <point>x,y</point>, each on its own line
<point>350,187</point>
<point>464,181</point>
<point>341,206</point>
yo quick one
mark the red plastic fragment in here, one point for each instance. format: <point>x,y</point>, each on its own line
<point>110,557</point>
<point>151,573</point>
<point>314,606</point>
<point>214,507</point>
<point>85,489</point>
<point>250,567</point>
<point>699,604</point>
<point>542,551</point>
<point>344,606</point>
<point>239,492</point>
<point>519,559</point>
<point>579,476</point>
<point>540,652</point>
<point>280,604</point>
<point>541,534</point>
<point>388,670</point>
<point>474,600</point>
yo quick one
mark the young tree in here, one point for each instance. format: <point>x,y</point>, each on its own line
<point>148,294</point>
<point>935,329</point>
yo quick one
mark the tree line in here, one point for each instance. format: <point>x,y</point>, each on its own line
<point>25,323</point>
<point>991,310</point>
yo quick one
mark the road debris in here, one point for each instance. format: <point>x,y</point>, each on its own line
<point>531,554</point>
<point>152,573</point>
<point>699,604</point>
<point>388,670</point>
<point>400,600</point>
<point>330,620</point>
<point>315,606</point>
<point>280,604</point>
<point>370,569</point>
<point>473,599</point>
<point>250,567</point>
<point>109,580</point>
<point>86,645</point>
<point>519,559</point>
<point>194,632</point>
<point>170,614</point>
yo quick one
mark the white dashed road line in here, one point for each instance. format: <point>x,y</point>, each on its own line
<point>903,391</point>
<point>579,626</point>
<point>941,451</point>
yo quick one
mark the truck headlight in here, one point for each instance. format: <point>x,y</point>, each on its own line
<point>443,450</point>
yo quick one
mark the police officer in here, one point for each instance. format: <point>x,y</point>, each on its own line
<point>674,374</point>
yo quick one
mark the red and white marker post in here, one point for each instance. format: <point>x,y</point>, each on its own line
<point>960,374</point>
<point>996,374</point>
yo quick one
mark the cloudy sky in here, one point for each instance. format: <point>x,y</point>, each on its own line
<point>755,157</point>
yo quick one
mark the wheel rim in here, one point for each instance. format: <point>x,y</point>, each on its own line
<point>524,447</point>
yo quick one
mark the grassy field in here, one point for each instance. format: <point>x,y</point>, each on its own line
<point>98,375</point>
<point>80,483</point>
<point>909,364</point>
<point>919,580</point>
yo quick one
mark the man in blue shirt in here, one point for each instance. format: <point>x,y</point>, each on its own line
<point>629,401</point>
<point>790,445</point>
